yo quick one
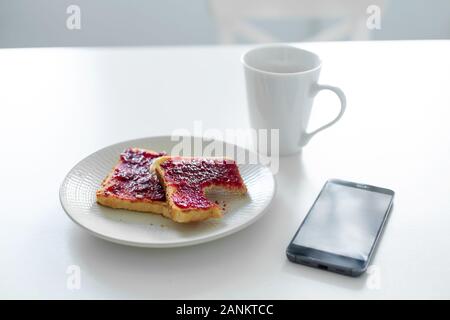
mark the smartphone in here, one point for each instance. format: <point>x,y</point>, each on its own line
<point>342,228</point>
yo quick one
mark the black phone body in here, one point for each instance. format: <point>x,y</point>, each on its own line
<point>342,228</point>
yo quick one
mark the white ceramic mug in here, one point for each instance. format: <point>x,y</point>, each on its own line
<point>281,86</point>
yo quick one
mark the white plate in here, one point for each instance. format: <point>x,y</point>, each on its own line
<point>77,195</point>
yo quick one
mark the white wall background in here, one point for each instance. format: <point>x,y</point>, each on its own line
<point>29,23</point>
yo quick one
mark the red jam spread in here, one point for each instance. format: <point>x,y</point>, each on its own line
<point>191,176</point>
<point>132,178</point>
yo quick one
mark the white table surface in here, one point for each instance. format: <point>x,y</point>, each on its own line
<point>60,105</point>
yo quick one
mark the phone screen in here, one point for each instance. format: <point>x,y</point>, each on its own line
<point>344,220</point>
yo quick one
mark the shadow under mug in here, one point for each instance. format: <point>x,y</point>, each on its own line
<point>281,85</point>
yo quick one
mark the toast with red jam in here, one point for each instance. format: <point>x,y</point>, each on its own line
<point>132,185</point>
<point>186,181</point>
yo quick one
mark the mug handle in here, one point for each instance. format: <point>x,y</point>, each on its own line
<point>318,87</point>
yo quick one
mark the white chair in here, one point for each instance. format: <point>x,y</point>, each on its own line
<point>233,18</point>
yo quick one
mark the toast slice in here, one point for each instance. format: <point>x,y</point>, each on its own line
<point>132,185</point>
<point>187,180</point>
